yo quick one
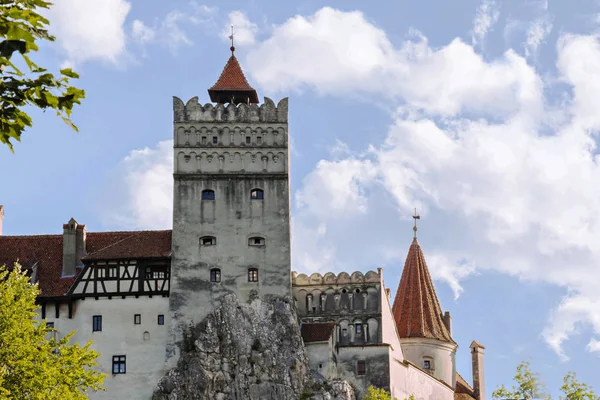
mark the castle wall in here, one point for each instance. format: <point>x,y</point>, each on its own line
<point>231,151</point>
<point>143,344</point>
<point>407,380</point>
<point>441,356</point>
<point>376,360</point>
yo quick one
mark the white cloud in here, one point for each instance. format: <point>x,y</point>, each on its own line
<point>536,34</point>
<point>88,31</point>
<point>141,33</point>
<point>486,17</point>
<point>146,184</point>
<point>244,29</point>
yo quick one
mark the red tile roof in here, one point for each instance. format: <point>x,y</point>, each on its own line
<point>47,250</point>
<point>317,332</point>
<point>232,82</point>
<point>416,309</point>
<point>144,244</point>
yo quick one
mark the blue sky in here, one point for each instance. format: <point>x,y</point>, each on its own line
<point>482,116</point>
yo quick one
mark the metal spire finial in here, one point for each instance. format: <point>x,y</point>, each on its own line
<point>232,48</point>
<point>416,217</point>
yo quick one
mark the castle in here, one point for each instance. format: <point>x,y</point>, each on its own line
<point>133,293</point>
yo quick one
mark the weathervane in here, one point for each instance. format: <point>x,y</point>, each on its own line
<point>416,217</point>
<point>232,48</point>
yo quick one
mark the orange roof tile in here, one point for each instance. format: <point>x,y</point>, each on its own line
<point>232,83</point>
<point>47,250</point>
<point>416,309</point>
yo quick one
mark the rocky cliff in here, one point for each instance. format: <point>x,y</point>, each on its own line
<point>247,351</point>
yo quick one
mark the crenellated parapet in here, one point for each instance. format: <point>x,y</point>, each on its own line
<point>331,278</point>
<point>192,111</point>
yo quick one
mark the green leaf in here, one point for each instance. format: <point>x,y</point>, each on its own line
<point>69,72</point>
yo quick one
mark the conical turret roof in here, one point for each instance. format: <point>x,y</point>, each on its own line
<point>232,85</point>
<point>416,309</point>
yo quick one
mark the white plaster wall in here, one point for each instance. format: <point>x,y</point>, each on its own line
<point>406,380</point>
<point>319,353</point>
<point>442,354</point>
<point>389,332</point>
<point>120,336</point>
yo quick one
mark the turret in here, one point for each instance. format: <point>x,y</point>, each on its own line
<point>424,330</point>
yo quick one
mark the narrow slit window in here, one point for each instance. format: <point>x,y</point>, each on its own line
<point>248,140</point>
<point>358,328</point>
<point>208,241</point>
<point>215,140</point>
<point>97,323</point>
<point>253,275</point>
<point>256,194</point>
<point>208,194</point>
<point>119,364</point>
<point>161,319</point>
<point>137,319</point>
<point>215,275</point>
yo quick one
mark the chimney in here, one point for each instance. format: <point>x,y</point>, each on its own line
<point>1,218</point>
<point>478,374</point>
<point>448,322</point>
<point>73,246</point>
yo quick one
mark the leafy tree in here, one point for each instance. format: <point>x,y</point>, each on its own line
<point>574,390</point>
<point>32,365</point>
<point>380,394</point>
<point>20,27</point>
<point>528,385</point>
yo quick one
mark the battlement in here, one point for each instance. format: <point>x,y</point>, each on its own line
<point>192,111</point>
<point>342,278</point>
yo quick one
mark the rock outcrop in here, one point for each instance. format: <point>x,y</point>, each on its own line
<point>247,351</point>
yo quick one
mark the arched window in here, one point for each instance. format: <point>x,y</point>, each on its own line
<point>252,274</point>
<point>256,194</point>
<point>215,275</point>
<point>256,241</point>
<point>208,241</point>
<point>208,194</point>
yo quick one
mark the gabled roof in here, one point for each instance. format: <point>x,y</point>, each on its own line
<point>232,83</point>
<point>416,309</point>
<point>47,252</point>
<point>139,245</point>
<point>317,332</point>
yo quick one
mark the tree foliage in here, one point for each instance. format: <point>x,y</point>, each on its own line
<point>34,365</point>
<point>573,390</point>
<point>20,27</point>
<point>374,393</point>
<point>528,385</point>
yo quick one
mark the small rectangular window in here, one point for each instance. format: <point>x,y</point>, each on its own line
<point>426,364</point>
<point>215,140</point>
<point>49,325</point>
<point>256,194</point>
<point>161,319</point>
<point>258,140</point>
<point>112,271</point>
<point>208,241</point>
<point>248,141</point>
<point>97,323</point>
<point>215,275</point>
<point>361,367</point>
<point>358,328</point>
<point>119,364</point>
<point>137,319</point>
<point>203,139</point>
<point>253,275</point>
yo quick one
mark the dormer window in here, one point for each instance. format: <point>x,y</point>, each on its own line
<point>256,241</point>
<point>208,241</point>
<point>208,194</point>
<point>256,194</point>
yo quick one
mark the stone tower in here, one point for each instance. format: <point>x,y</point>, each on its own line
<point>425,332</point>
<point>231,204</point>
